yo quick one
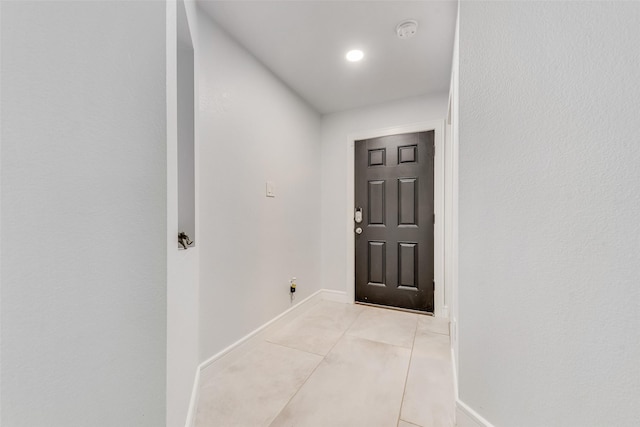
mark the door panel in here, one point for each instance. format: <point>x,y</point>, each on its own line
<point>394,188</point>
<point>407,201</point>
<point>377,263</point>
<point>408,264</point>
<point>376,202</point>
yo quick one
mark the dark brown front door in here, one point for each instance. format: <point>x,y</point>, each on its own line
<point>394,195</point>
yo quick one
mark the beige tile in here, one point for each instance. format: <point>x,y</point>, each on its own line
<point>438,325</point>
<point>386,326</point>
<point>403,423</point>
<point>432,345</point>
<point>429,396</point>
<point>318,330</point>
<point>253,390</point>
<point>358,384</point>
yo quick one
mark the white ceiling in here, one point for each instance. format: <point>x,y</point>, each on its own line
<point>304,43</point>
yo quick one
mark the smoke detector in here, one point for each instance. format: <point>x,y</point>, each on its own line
<point>407,29</point>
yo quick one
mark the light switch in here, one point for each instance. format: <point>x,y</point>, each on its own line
<point>271,189</point>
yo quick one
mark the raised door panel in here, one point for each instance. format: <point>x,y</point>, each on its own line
<point>408,265</point>
<point>377,202</point>
<point>377,263</point>
<point>407,201</point>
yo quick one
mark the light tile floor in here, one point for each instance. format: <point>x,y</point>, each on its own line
<point>337,365</point>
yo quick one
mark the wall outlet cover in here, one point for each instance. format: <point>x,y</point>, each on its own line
<point>271,189</point>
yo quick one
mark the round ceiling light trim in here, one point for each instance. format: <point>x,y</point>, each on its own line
<point>407,29</point>
<point>354,55</point>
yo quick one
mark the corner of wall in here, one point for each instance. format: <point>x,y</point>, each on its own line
<point>467,417</point>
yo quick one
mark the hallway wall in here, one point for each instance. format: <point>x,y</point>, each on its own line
<point>549,203</point>
<point>183,357</point>
<point>336,128</point>
<point>83,296</point>
<point>252,129</point>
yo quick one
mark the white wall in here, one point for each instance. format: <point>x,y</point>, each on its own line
<point>335,129</point>
<point>83,214</point>
<point>252,129</point>
<point>186,129</point>
<point>182,266</point>
<point>549,203</point>
<point>452,192</point>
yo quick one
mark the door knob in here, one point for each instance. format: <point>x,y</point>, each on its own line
<point>358,230</point>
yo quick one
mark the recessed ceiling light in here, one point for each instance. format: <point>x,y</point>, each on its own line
<point>355,55</point>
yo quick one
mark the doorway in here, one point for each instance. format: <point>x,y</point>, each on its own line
<point>394,221</point>
<point>440,308</point>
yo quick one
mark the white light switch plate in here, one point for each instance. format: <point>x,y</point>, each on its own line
<point>271,189</point>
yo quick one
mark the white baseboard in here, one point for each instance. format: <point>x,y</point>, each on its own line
<point>467,417</point>
<point>445,312</point>
<point>305,303</point>
<point>193,402</point>
<point>335,296</point>
<point>455,373</point>
<point>253,338</point>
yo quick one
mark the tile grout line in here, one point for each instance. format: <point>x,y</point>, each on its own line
<point>380,342</point>
<point>406,378</point>
<point>316,368</point>
<point>408,422</point>
<point>293,348</point>
<point>317,354</point>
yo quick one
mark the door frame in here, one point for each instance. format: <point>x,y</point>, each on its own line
<point>438,126</point>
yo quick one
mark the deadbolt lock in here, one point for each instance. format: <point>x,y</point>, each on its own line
<point>358,216</point>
